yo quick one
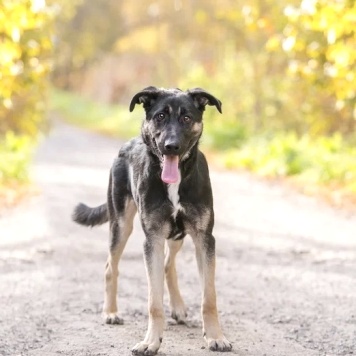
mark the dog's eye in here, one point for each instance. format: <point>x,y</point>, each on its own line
<point>187,119</point>
<point>161,116</point>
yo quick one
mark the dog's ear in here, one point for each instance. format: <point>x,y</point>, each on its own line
<point>202,98</point>
<point>146,97</point>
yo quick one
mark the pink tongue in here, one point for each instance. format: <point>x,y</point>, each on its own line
<point>170,172</point>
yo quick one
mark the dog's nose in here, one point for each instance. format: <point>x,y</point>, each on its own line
<point>172,146</point>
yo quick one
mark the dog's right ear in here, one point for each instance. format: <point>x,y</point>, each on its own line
<point>146,97</point>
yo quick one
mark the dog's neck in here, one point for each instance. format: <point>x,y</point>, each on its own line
<point>188,164</point>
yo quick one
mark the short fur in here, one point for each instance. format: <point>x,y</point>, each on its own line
<point>168,212</point>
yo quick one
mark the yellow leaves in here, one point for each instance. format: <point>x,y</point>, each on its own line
<point>9,53</point>
<point>339,55</point>
<point>292,13</point>
<point>308,7</point>
<point>7,103</point>
<point>145,39</point>
<point>14,17</point>
<point>262,23</point>
<point>331,36</point>
<point>38,5</point>
<point>288,43</point>
<point>320,39</point>
<point>201,17</point>
<point>25,49</point>
<point>16,34</point>
<point>273,43</point>
<point>350,16</point>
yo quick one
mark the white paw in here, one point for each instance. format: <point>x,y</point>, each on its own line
<point>143,348</point>
<point>221,344</point>
<point>112,318</point>
<point>179,314</point>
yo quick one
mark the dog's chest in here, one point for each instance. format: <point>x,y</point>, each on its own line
<point>173,196</point>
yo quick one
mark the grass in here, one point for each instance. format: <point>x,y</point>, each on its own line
<point>312,162</point>
<point>16,153</point>
<point>113,120</point>
<point>327,162</point>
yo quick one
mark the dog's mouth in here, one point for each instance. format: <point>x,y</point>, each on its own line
<point>170,169</point>
<point>170,163</point>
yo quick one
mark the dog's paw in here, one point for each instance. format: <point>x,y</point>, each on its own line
<point>143,348</point>
<point>112,318</point>
<point>222,344</point>
<point>179,315</point>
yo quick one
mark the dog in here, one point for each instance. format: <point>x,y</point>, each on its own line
<point>164,176</point>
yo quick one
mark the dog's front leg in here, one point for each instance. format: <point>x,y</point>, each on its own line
<point>154,262</point>
<point>205,253</point>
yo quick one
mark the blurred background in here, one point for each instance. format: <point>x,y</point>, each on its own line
<point>284,70</point>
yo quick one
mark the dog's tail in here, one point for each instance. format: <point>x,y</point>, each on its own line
<point>87,216</point>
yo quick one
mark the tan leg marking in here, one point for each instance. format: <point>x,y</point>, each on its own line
<point>211,326</point>
<point>178,309</point>
<point>154,261</point>
<point>111,269</point>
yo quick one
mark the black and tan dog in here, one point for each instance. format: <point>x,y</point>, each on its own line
<point>164,176</point>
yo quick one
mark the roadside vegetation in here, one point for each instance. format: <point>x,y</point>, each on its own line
<point>25,56</point>
<point>112,120</point>
<point>324,161</point>
<point>285,72</point>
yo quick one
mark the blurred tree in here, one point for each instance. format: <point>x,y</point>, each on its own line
<point>25,56</point>
<point>320,41</point>
<point>277,65</point>
<point>85,31</point>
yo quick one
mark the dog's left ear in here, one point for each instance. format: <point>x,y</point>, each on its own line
<point>146,97</point>
<point>202,98</point>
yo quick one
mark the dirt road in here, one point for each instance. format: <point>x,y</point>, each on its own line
<point>286,267</point>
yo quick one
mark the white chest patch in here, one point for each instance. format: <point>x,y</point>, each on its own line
<point>173,196</point>
<point>132,184</point>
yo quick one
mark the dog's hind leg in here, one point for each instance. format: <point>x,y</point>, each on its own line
<point>120,230</point>
<point>178,309</point>
<point>205,254</point>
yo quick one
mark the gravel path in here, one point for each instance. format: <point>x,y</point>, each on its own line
<point>286,267</point>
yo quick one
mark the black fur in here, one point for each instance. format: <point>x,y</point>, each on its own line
<point>144,156</point>
<point>172,127</point>
<point>87,216</point>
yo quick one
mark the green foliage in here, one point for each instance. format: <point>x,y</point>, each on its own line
<point>113,120</point>
<point>285,73</point>
<point>325,160</point>
<point>224,134</point>
<point>275,65</point>
<point>322,160</point>
<point>15,153</point>
<point>116,120</point>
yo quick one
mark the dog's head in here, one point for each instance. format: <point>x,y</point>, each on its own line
<point>173,124</point>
